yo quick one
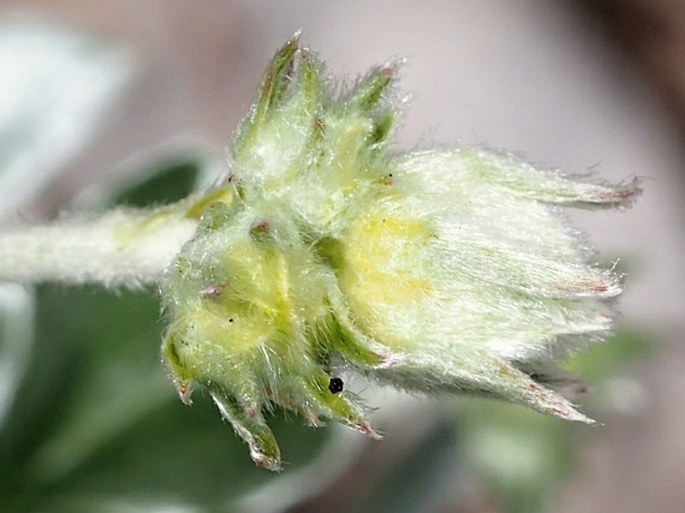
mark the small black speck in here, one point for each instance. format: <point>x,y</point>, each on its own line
<point>231,319</point>
<point>336,385</point>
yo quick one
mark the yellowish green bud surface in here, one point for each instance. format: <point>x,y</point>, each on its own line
<point>435,271</point>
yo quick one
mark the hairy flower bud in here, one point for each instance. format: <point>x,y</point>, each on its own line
<point>436,271</point>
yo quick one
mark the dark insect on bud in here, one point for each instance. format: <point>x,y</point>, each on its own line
<point>335,385</point>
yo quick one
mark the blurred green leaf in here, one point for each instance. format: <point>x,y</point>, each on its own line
<point>601,361</point>
<point>523,456</point>
<point>162,182</point>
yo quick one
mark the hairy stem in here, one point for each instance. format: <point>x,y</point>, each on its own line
<point>121,248</point>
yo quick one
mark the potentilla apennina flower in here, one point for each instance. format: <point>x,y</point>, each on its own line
<point>321,250</point>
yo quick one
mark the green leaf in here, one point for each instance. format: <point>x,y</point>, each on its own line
<point>161,182</point>
<point>521,455</point>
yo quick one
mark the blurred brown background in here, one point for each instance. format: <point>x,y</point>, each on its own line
<point>578,84</point>
<point>652,34</point>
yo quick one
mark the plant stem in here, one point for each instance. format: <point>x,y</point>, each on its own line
<point>121,248</point>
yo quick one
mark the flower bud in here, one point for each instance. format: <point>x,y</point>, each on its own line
<point>436,271</point>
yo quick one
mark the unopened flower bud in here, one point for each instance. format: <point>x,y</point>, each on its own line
<point>436,271</point>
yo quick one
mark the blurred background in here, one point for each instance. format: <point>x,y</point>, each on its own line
<point>586,86</point>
